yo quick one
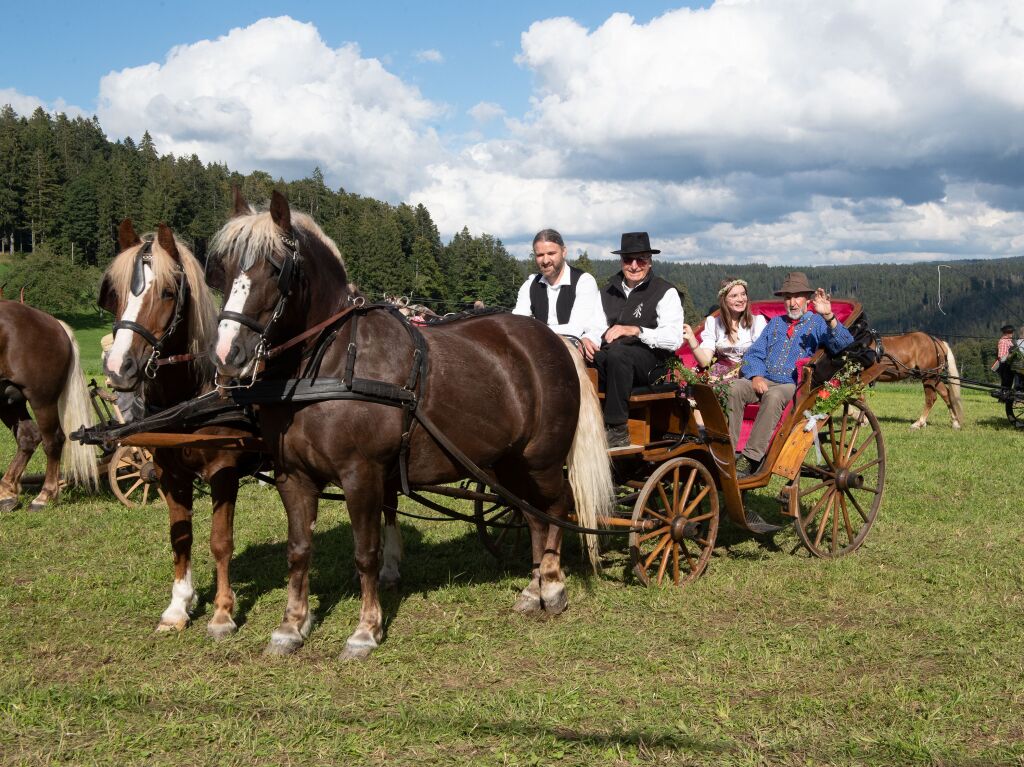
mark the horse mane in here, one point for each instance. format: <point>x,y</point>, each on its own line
<point>202,317</point>
<point>254,236</point>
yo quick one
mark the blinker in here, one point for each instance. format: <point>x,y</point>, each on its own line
<point>143,257</point>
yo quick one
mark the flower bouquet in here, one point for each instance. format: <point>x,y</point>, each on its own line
<point>684,376</point>
<point>845,386</point>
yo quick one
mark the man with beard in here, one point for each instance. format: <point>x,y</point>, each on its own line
<point>768,373</point>
<point>561,296</point>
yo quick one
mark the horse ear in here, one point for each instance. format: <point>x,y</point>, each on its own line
<point>280,213</point>
<point>108,296</point>
<point>240,206</point>
<point>126,236</point>
<point>215,276</point>
<point>165,237</point>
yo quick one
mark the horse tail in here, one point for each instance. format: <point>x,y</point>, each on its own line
<point>590,473</point>
<point>75,411</point>
<point>954,383</point>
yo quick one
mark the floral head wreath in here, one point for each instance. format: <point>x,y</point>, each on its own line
<point>730,285</point>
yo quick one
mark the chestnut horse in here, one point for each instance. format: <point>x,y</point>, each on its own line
<point>39,366</point>
<point>504,390</point>
<point>919,355</point>
<point>164,312</point>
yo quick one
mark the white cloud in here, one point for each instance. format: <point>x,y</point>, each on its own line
<point>274,96</point>
<point>430,55</point>
<point>25,105</point>
<point>486,111</point>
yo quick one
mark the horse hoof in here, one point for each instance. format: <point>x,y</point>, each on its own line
<point>389,582</point>
<point>356,651</point>
<point>528,603</point>
<point>555,599</point>
<point>167,626</point>
<point>9,504</point>
<point>282,645</point>
<point>36,506</point>
<point>218,631</point>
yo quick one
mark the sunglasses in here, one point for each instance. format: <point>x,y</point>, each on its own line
<point>640,260</point>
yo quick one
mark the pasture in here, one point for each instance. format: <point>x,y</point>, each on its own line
<point>907,652</point>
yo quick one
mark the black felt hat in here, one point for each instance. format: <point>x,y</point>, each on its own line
<point>635,243</point>
<point>1006,329</point>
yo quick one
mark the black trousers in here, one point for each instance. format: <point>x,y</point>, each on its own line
<point>1005,375</point>
<point>620,367</point>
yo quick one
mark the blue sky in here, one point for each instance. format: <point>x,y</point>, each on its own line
<point>789,132</point>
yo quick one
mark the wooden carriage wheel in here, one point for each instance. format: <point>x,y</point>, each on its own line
<point>1015,410</point>
<point>835,503</point>
<point>132,476</point>
<point>675,523</point>
<point>501,529</point>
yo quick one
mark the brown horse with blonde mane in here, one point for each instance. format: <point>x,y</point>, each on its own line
<point>919,355</point>
<point>502,390</point>
<point>165,316</point>
<point>39,366</point>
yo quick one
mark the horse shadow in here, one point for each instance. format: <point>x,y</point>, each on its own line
<point>427,566</point>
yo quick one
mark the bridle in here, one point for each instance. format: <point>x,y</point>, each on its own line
<point>138,284</point>
<point>287,276</point>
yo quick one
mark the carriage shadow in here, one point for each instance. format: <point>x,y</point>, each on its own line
<point>427,566</point>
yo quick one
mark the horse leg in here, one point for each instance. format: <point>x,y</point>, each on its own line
<point>48,421</point>
<point>26,435</point>
<point>224,492</point>
<point>391,559</point>
<point>943,391</point>
<point>300,497</point>
<point>529,602</point>
<point>929,401</point>
<point>364,497</point>
<point>178,490</point>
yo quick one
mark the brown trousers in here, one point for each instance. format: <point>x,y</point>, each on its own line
<point>773,402</point>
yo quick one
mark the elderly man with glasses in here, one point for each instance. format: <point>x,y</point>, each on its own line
<point>645,327</point>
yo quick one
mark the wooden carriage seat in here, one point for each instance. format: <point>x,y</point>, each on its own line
<point>768,309</point>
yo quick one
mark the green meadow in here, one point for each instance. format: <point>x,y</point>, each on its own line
<point>909,651</point>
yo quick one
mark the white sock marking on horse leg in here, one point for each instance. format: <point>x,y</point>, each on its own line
<point>123,337</point>
<point>183,601</point>
<point>227,330</point>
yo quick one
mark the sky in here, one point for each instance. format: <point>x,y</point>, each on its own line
<point>787,132</point>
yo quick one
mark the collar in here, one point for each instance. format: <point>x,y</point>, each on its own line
<point>565,278</point>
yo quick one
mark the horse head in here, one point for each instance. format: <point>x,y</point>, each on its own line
<point>279,273</point>
<point>154,288</point>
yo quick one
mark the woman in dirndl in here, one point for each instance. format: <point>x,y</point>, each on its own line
<point>726,337</point>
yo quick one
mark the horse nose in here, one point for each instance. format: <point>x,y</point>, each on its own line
<point>236,356</point>
<point>129,367</point>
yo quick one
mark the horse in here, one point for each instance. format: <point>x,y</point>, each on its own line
<point>919,355</point>
<point>39,366</point>
<point>503,391</point>
<point>165,316</point>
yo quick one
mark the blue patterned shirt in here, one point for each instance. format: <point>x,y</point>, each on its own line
<point>774,355</point>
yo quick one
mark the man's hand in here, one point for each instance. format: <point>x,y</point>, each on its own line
<point>618,331</point>
<point>589,348</point>
<point>760,384</point>
<point>822,302</point>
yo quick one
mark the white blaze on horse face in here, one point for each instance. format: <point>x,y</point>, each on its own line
<point>227,330</point>
<point>123,338</point>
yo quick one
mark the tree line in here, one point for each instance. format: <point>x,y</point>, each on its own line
<point>64,188</point>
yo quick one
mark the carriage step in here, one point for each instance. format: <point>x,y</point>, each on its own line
<point>756,524</point>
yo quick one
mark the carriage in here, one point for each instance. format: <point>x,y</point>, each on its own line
<point>354,395</point>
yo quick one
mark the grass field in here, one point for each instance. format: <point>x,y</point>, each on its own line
<point>907,652</point>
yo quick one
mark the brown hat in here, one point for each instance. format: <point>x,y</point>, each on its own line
<point>795,283</point>
<point>635,243</point>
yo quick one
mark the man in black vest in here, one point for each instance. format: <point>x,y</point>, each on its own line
<point>645,318</point>
<point>561,296</point>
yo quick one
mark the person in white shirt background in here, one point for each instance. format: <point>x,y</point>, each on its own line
<point>728,336</point>
<point>563,297</point>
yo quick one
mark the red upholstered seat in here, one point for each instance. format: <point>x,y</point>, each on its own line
<point>768,309</point>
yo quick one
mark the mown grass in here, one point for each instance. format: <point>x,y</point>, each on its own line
<point>907,652</point>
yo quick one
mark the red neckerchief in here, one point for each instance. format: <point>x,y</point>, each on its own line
<point>792,325</point>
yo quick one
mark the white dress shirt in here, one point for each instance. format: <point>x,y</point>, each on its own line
<point>586,320</point>
<point>715,340</point>
<point>669,333</point>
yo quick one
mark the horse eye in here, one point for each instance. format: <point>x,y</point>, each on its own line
<point>167,295</point>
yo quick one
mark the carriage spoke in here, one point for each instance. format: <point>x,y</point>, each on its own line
<point>856,505</point>
<point>842,432</point>
<point>145,494</point>
<point>131,489</point>
<point>846,519</point>
<point>853,439</point>
<point>824,521</point>
<point>832,441</point>
<point>657,550</point>
<point>854,454</point>
<point>664,499</point>
<point>664,563</point>
<point>809,517</point>
<point>696,502</point>
<point>129,475</point>
<point>814,488</point>
<point>653,513</point>
<point>653,534</point>
<point>865,467</point>
<point>835,522</point>
<point>675,564</point>
<point>701,518</point>
<point>689,557</point>
<point>689,486</point>
<point>675,491</point>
